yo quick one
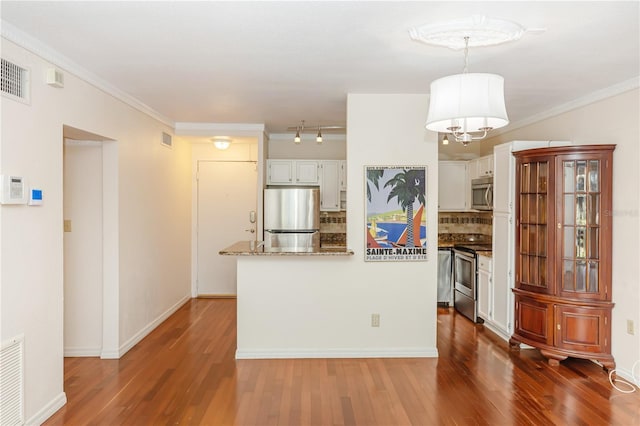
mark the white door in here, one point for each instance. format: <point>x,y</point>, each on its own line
<point>227,193</point>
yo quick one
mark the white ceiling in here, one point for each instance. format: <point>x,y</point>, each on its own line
<point>281,62</point>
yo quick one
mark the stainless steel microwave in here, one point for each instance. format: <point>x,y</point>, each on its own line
<point>482,193</point>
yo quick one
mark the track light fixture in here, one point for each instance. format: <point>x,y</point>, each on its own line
<point>318,130</point>
<point>299,129</point>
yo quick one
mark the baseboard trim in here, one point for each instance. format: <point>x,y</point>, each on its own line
<point>82,352</point>
<point>48,410</point>
<point>496,331</point>
<point>126,346</point>
<point>337,353</point>
<point>217,296</point>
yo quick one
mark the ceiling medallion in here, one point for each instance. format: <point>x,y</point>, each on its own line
<point>480,30</point>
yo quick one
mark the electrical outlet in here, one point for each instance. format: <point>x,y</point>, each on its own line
<point>67,225</point>
<point>630,327</point>
<point>375,320</point>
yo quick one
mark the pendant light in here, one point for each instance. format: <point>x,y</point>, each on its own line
<point>467,105</point>
<point>319,137</point>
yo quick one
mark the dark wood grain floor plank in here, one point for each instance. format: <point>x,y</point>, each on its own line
<point>185,373</point>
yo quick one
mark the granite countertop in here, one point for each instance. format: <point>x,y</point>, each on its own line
<point>245,248</point>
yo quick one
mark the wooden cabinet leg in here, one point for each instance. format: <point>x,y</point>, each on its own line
<point>554,358</point>
<point>514,345</point>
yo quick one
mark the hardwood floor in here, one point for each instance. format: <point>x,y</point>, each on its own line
<point>184,372</point>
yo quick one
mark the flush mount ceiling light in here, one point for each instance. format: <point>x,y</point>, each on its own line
<point>221,143</point>
<point>467,105</point>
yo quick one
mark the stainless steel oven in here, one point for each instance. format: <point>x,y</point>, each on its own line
<point>464,283</point>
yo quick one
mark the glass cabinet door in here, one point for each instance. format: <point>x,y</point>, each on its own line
<point>580,227</point>
<point>533,202</point>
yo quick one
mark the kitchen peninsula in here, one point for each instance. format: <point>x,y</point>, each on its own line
<point>281,310</point>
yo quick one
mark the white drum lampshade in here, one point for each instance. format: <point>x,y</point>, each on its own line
<point>469,102</point>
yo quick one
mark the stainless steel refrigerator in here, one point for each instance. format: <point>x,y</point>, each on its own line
<point>292,219</point>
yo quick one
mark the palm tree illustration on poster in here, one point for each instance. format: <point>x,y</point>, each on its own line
<point>396,225</point>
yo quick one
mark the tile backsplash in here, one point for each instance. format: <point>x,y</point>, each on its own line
<point>465,223</point>
<point>333,229</point>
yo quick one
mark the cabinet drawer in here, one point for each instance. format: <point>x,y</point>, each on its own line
<point>484,263</point>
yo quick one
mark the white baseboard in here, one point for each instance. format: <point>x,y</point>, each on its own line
<point>336,353</point>
<point>82,352</point>
<point>495,330</point>
<point>126,346</point>
<point>48,410</point>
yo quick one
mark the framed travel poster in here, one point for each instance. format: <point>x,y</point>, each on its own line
<point>396,224</point>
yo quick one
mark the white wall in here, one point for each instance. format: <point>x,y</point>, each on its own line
<point>83,248</point>
<point>333,147</point>
<point>151,231</point>
<point>615,120</point>
<point>322,306</point>
<point>389,130</point>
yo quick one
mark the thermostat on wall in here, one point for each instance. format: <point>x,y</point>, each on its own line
<point>35,197</point>
<point>12,190</point>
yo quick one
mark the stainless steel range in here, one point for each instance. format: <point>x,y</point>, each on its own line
<point>465,289</point>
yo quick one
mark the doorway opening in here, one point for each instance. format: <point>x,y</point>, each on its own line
<point>90,244</point>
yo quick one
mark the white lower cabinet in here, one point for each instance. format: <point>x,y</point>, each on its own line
<point>495,300</point>
<point>485,288</point>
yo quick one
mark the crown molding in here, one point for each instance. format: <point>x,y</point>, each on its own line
<point>48,54</point>
<point>598,95</point>
<point>208,129</point>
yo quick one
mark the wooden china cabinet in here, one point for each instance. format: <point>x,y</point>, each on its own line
<point>563,252</point>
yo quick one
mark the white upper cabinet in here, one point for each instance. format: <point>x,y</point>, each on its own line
<point>330,175</point>
<point>503,179</point>
<point>280,172</point>
<point>481,167</point>
<point>307,172</point>
<point>485,166</point>
<point>293,172</point>
<point>453,186</point>
<point>329,185</point>
<point>343,175</point>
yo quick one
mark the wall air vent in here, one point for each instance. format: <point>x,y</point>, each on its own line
<point>15,81</point>
<point>167,140</point>
<point>12,380</point>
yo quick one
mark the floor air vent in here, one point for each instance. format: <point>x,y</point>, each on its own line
<point>15,81</point>
<point>12,381</point>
